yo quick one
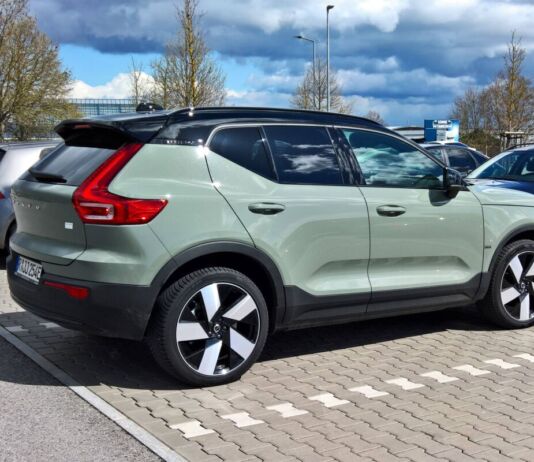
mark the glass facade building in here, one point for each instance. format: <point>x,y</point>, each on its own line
<point>97,107</point>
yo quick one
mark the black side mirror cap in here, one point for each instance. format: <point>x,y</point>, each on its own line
<point>454,182</point>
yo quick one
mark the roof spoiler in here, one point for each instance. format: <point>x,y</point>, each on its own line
<point>109,134</point>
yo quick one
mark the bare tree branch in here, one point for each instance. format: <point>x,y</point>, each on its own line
<point>33,84</point>
<point>311,92</point>
<point>187,75</point>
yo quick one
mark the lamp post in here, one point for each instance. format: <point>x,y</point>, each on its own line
<point>328,8</point>
<point>313,42</point>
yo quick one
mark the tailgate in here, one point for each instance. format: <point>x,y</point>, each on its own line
<point>48,227</point>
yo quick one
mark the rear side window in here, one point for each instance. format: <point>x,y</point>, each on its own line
<point>479,157</point>
<point>2,154</point>
<point>304,155</point>
<point>461,160</point>
<point>72,163</point>
<point>245,147</point>
<point>436,152</point>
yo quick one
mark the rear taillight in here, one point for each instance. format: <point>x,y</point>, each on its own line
<point>95,204</point>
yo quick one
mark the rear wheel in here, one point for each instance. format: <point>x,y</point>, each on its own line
<point>510,298</point>
<point>209,327</point>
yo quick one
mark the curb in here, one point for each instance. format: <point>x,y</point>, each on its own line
<point>128,425</point>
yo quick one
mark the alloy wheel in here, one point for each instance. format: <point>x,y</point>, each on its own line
<point>517,287</point>
<point>218,329</point>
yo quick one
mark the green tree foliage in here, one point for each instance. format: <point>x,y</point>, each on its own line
<point>33,83</point>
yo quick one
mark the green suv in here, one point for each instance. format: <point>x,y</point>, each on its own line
<point>204,230</point>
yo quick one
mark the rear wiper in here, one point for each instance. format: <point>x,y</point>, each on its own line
<point>46,177</point>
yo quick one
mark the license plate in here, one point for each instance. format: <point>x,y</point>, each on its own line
<point>29,270</point>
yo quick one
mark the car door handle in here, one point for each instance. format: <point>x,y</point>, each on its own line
<point>266,208</point>
<point>390,210</point>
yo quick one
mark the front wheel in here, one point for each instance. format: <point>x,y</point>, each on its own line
<point>209,326</point>
<point>510,298</point>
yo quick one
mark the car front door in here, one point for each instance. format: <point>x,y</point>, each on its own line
<point>423,242</point>
<point>299,210</point>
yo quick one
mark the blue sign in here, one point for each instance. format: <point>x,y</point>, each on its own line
<point>442,130</point>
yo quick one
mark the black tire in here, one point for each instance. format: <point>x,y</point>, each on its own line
<point>184,301</point>
<point>504,281</point>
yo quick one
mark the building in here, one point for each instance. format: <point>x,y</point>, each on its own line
<point>97,107</point>
<point>416,134</point>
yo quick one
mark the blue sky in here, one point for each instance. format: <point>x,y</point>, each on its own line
<point>407,59</point>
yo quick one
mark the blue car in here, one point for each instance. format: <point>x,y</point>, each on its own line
<point>513,169</point>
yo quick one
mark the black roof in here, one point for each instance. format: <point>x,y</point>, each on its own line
<point>162,125</point>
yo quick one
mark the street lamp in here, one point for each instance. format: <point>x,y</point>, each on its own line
<point>313,42</point>
<point>328,8</point>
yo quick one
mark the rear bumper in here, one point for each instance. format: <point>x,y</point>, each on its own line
<point>111,310</point>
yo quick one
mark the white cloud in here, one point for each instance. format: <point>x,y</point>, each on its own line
<point>257,98</point>
<point>118,87</point>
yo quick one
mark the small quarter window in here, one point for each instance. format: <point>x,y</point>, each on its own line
<point>304,155</point>
<point>245,147</point>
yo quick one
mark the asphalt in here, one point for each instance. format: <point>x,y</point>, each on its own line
<point>41,419</point>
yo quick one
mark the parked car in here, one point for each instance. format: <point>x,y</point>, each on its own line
<point>15,159</point>
<point>458,156</point>
<point>204,230</point>
<point>512,169</point>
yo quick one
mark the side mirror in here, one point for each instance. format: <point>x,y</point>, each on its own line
<point>453,182</point>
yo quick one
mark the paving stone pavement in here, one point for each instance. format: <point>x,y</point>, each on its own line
<point>438,386</point>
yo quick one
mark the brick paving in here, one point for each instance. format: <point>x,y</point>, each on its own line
<point>438,386</point>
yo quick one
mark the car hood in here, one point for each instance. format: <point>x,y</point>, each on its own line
<point>502,192</point>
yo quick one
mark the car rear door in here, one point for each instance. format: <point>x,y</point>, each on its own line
<point>423,243</point>
<point>286,184</point>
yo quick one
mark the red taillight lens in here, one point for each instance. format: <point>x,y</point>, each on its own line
<point>76,292</point>
<point>2,195</point>
<point>95,204</point>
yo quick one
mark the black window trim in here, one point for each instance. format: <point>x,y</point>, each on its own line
<point>336,146</point>
<point>359,174</point>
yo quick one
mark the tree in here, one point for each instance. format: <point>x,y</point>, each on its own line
<point>506,105</point>
<point>375,115</point>
<point>33,84</point>
<point>139,82</point>
<point>511,95</point>
<point>187,75</point>
<point>311,92</point>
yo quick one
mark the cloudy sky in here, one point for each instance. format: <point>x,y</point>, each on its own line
<point>407,59</point>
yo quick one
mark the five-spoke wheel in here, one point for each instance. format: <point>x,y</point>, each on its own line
<point>210,326</point>
<point>517,291</point>
<point>218,328</point>
<point>510,299</point>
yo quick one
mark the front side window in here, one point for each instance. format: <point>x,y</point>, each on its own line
<point>245,147</point>
<point>514,165</point>
<point>304,155</point>
<point>390,162</point>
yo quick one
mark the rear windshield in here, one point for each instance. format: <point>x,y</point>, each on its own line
<point>69,165</point>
